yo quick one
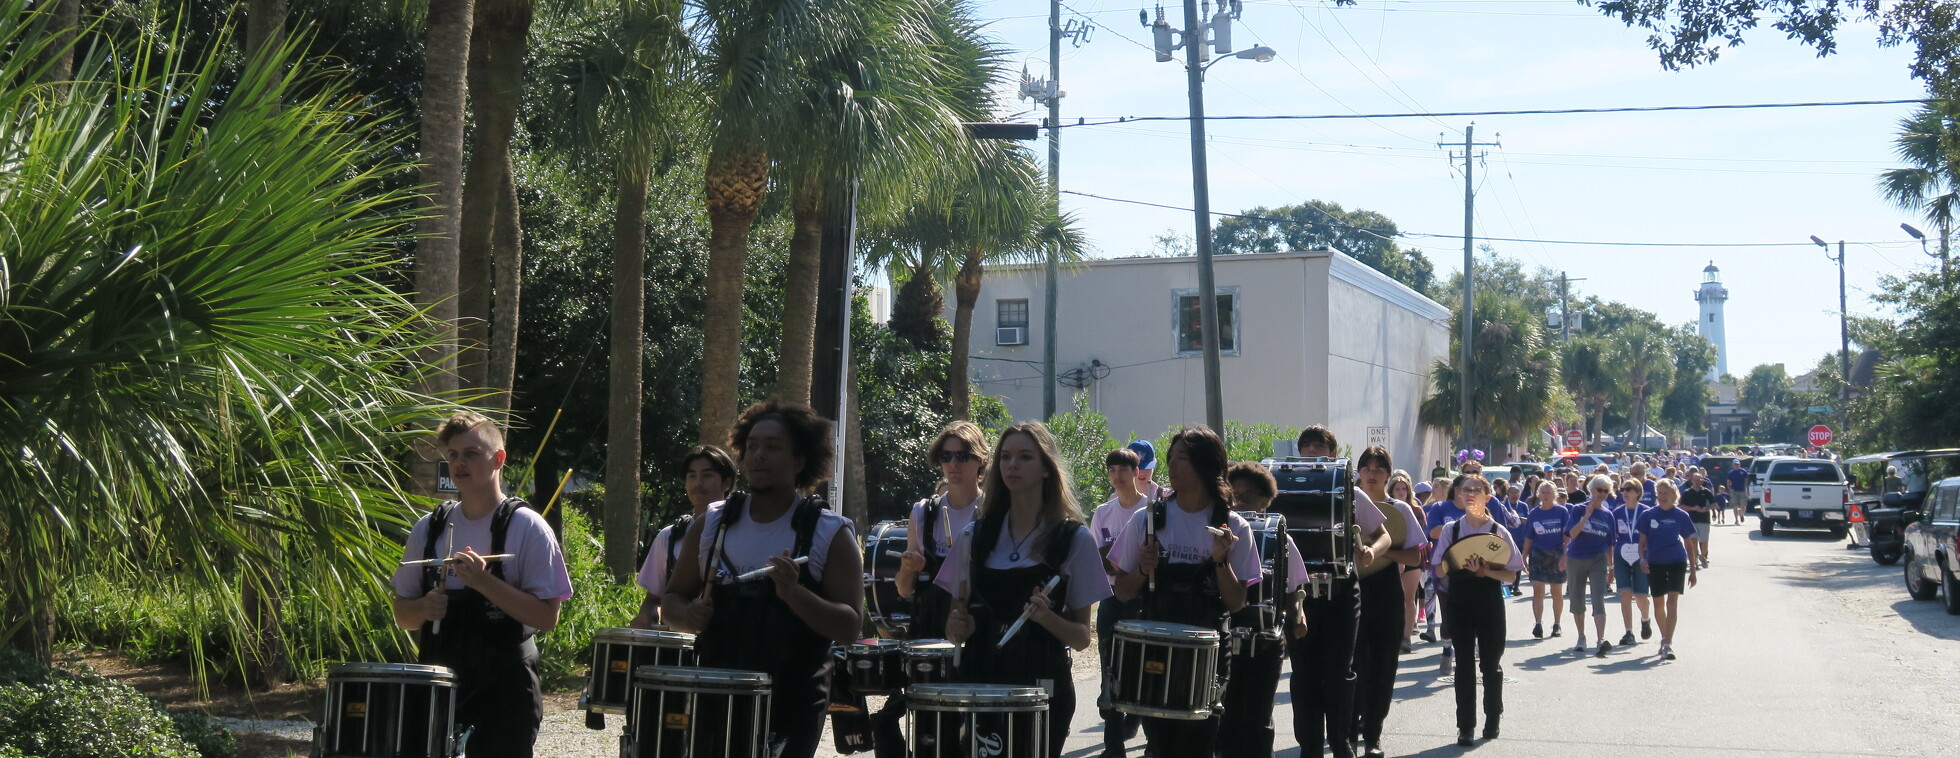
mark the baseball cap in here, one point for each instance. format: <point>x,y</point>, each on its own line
<point>1146,453</point>
<point>1423,488</point>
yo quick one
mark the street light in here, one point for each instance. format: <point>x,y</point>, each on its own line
<point>1844,336</point>
<point>1193,39</point>
<point>1921,236</point>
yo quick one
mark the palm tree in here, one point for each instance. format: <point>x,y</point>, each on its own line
<point>886,102</point>
<point>1587,367</point>
<point>198,352</point>
<point>621,94</point>
<point>498,43</point>
<point>446,54</point>
<point>1510,375</point>
<point>1928,142</point>
<point>1647,365</point>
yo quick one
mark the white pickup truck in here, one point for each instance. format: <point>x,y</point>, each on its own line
<point>1805,494</point>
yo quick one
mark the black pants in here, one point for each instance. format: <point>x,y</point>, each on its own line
<point>1168,737</point>
<point>1116,724</point>
<point>888,729</point>
<point>1061,710</point>
<point>1476,621</point>
<point>1246,727</point>
<point>1323,670</point>
<point>1377,651</point>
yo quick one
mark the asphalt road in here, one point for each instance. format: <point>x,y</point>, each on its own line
<point>1790,646</point>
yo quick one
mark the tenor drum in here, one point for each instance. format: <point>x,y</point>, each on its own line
<point>1165,671</point>
<point>1266,599</point>
<point>618,652</point>
<point>877,667</point>
<point>883,545</point>
<point>978,720</point>
<point>1316,496</point>
<point>928,662</point>
<point>697,713</point>
<point>388,710</point>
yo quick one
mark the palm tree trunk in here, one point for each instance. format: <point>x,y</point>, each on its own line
<point>800,298</point>
<point>966,293</point>
<point>261,598</point>
<point>443,77</point>
<point>857,499</point>
<point>507,253</point>
<point>496,76</point>
<point>737,175</point>
<point>265,31</point>
<point>30,615</point>
<point>622,511</point>
<point>62,23</point>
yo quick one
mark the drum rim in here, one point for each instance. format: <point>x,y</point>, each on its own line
<point>1161,713</point>
<point>630,635</point>
<point>360,670</point>
<point>976,694</point>
<point>726,678</point>
<point>932,646</point>
<point>880,646</point>
<point>1163,630</point>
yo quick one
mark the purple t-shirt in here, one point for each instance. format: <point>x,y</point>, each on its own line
<point>1738,479</point>
<point>1442,512</point>
<point>1597,536</point>
<point>1544,528</point>
<point>1665,528</point>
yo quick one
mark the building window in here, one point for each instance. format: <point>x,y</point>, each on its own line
<point>1011,313</point>
<point>1190,326</point>
<point>1711,318</point>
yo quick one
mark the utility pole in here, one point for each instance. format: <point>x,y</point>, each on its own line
<point>1053,274</point>
<point>1844,338</point>
<point>1564,310</point>
<point>1464,351</point>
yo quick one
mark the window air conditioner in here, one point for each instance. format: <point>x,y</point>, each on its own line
<point>1011,335</point>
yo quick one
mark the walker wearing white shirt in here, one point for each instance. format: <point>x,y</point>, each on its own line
<point>1108,522</point>
<point>1030,532</point>
<point>1199,575</point>
<point>709,478</point>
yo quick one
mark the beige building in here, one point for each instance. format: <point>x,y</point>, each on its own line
<point>1307,337</point>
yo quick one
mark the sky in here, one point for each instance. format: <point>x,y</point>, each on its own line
<point>1657,179</point>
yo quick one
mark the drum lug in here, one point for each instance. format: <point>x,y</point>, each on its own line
<point>462,738</point>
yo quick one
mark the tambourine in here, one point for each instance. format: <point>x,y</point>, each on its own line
<point>1494,549</point>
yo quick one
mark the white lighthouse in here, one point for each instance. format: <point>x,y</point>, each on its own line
<point>1711,296</point>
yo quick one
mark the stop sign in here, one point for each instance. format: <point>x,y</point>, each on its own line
<point>1574,438</point>
<point>1820,435</point>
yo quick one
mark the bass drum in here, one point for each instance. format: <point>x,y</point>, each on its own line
<point>883,546</point>
<point>1316,496</point>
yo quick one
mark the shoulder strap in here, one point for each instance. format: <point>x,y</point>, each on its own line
<point>676,534</point>
<point>804,522</point>
<point>731,510</point>
<point>438,521</point>
<point>986,534</point>
<point>500,530</point>
<point>1157,513</point>
<point>929,523</point>
<point>1060,540</point>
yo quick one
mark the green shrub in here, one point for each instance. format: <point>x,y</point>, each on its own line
<point>87,717</point>
<point>597,602</point>
<point>211,737</point>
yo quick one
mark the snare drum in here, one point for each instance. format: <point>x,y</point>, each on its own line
<point>929,662</point>
<point>888,610</point>
<point>1165,671</point>
<point>388,710</point>
<point>877,667</point>
<point>683,712</point>
<point>618,652</point>
<point>975,720</point>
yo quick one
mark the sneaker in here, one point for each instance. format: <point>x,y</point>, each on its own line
<point>1463,738</point>
<point>1670,652</point>
<point>1449,662</point>
<point>1555,629</point>
<point>1538,631</point>
<point>1581,646</point>
<point>1626,640</point>
<point>1646,629</point>
<point>1406,647</point>
<point>1427,636</point>
<point>1603,647</point>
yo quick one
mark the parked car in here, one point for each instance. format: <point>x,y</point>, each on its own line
<point>1518,471</point>
<point>1718,467</point>
<point>1932,551</point>
<point>1586,462</point>
<point>1805,494</point>
<point>1891,504</point>
<point>1758,466</point>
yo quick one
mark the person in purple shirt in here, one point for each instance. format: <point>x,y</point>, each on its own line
<point>1667,540</point>
<point>1476,610</point>
<point>1439,514</point>
<point>1739,492</point>
<point>1544,550</point>
<point>1590,536</point>
<point>1631,579</point>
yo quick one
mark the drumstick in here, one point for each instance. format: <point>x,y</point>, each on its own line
<point>894,554</point>
<point>447,561</point>
<point>1050,587</point>
<point>759,573</point>
<point>1150,535</point>
<point>966,562</point>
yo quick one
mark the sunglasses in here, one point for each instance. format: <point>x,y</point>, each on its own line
<point>955,456</point>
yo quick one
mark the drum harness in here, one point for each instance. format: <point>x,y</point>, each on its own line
<point>1281,618</point>
<point>991,663</point>
<point>1191,589</point>
<point>483,638</point>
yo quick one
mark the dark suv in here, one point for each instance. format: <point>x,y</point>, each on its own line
<point>1892,503</point>
<point>1932,549</point>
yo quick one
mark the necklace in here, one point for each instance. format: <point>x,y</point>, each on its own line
<point>1015,554</point>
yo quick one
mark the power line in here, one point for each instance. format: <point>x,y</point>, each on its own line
<point>1331,220</point>
<point>1534,112</point>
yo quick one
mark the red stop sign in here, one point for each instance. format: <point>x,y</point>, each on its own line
<point>1820,435</point>
<point>1574,438</point>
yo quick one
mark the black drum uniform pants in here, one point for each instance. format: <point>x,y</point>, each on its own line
<point>1117,725</point>
<point>1323,670</point>
<point>1245,729</point>
<point>1377,651</point>
<point>1476,621</point>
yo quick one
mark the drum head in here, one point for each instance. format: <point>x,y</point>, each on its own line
<point>655,637</point>
<point>874,647</point>
<point>929,647</point>
<point>390,672</point>
<point>1493,548</point>
<point>1157,630</point>
<point>690,678</point>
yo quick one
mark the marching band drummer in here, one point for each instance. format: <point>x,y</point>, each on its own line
<point>1030,532</point>
<point>1195,551</point>
<point>1323,682</point>
<point>481,620</point>
<point>1476,608</point>
<point>1109,520</point>
<point>784,623</point>
<point>1246,726</point>
<point>709,477</point>
<point>1383,627</point>
<point>960,451</point>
